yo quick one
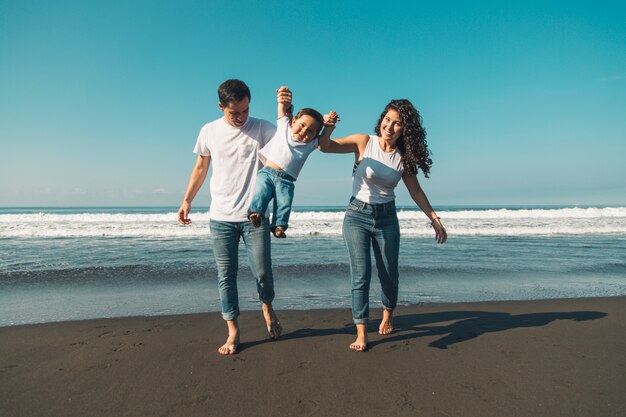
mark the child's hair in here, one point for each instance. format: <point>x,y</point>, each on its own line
<point>314,114</point>
<point>232,91</point>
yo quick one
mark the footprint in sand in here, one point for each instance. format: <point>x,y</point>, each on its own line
<point>405,401</point>
<point>307,407</point>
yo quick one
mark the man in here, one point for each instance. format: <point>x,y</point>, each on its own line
<point>231,143</point>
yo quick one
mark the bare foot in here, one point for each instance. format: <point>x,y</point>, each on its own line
<point>274,329</point>
<point>386,324</point>
<point>232,343</point>
<point>360,344</point>
<point>255,219</point>
<point>230,347</point>
<point>279,232</point>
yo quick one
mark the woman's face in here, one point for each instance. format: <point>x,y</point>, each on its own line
<point>391,126</point>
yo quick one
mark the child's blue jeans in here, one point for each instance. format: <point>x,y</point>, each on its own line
<point>277,185</point>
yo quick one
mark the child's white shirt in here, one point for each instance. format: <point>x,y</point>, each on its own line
<point>285,151</point>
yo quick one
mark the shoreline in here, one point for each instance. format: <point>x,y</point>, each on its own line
<point>374,307</point>
<point>245,308</point>
<point>556,357</point>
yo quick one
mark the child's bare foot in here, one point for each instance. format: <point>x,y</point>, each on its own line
<point>279,232</point>
<point>274,329</point>
<point>231,345</point>
<point>360,344</point>
<point>386,324</point>
<point>255,219</point>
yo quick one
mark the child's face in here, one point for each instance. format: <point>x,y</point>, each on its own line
<point>305,128</point>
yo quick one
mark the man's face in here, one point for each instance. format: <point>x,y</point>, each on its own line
<point>236,113</point>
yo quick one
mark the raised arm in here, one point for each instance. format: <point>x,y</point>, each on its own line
<point>330,121</point>
<point>198,175</point>
<point>418,195</point>
<point>284,96</point>
<point>350,144</point>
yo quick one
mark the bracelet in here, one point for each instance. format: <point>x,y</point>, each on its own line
<point>433,220</point>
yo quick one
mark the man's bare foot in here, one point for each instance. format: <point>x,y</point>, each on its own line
<point>279,232</point>
<point>274,329</point>
<point>386,324</point>
<point>360,344</point>
<point>255,219</point>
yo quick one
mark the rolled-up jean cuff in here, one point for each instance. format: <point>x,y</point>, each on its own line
<point>361,321</point>
<point>230,316</point>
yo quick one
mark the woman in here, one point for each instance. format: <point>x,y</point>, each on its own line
<point>397,151</point>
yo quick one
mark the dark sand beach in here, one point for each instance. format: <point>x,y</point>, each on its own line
<point>515,358</point>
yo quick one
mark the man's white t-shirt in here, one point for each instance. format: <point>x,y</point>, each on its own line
<point>233,151</point>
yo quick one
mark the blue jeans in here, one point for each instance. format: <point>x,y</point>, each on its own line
<point>365,227</point>
<point>225,237</point>
<point>278,185</point>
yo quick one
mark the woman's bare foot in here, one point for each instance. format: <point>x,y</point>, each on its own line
<point>279,232</point>
<point>386,324</point>
<point>360,344</point>
<point>232,343</point>
<point>230,347</point>
<point>274,329</point>
<point>255,219</point>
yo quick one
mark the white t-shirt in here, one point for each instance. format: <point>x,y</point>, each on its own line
<point>378,173</point>
<point>286,152</point>
<point>233,152</point>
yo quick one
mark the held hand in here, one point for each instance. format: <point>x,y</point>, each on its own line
<point>183,214</point>
<point>440,232</point>
<point>283,95</point>
<point>331,119</point>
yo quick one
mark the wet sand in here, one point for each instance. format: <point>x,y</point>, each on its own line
<point>514,358</point>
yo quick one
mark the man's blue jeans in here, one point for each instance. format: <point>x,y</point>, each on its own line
<point>225,237</point>
<point>365,227</point>
<point>278,185</point>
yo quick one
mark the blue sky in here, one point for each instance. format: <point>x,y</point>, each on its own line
<point>523,102</point>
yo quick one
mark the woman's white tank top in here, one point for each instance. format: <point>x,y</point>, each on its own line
<point>377,174</point>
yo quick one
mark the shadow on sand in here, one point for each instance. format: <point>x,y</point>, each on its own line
<point>453,326</point>
<point>459,326</point>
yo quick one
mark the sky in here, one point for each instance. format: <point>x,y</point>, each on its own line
<point>524,103</point>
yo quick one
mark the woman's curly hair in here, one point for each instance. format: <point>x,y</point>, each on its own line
<point>412,143</point>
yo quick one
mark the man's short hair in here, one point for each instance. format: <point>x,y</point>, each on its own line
<point>232,91</point>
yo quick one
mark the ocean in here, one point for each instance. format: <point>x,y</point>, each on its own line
<point>59,264</point>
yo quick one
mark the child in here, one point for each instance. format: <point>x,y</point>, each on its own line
<point>284,157</point>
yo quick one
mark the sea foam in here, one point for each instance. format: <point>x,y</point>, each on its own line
<point>480,222</point>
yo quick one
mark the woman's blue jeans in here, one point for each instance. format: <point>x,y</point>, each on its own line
<point>225,237</point>
<point>366,227</point>
<point>277,185</point>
